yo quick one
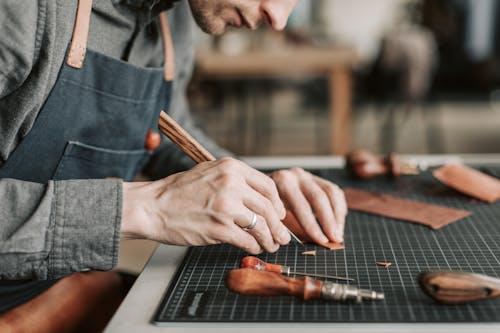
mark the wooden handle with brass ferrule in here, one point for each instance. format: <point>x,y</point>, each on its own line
<point>249,281</point>
<point>365,165</point>
<point>260,283</point>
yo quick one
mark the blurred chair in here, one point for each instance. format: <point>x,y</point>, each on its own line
<point>404,71</point>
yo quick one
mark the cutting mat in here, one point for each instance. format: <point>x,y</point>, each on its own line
<point>198,294</point>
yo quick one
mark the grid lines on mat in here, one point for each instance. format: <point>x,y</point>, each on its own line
<point>471,244</point>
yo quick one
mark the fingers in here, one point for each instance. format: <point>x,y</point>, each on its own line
<point>301,209</point>
<point>306,196</point>
<point>259,182</point>
<point>255,179</point>
<point>233,234</point>
<point>260,196</point>
<point>338,203</point>
<point>263,207</point>
<point>237,197</point>
<point>260,232</point>
<point>288,182</point>
<point>320,204</point>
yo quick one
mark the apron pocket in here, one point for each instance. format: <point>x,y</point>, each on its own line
<point>81,161</point>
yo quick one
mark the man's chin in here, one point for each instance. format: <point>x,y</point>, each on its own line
<point>214,31</point>
<point>212,28</point>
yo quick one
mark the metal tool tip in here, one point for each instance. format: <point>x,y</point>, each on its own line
<point>294,237</point>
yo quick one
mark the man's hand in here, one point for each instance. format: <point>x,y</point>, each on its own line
<point>309,197</point>
<point>209,204</point>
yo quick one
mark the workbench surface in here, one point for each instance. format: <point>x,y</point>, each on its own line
<point>138,309</point>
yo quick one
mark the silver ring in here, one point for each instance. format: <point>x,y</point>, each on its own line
<point>252,224</point>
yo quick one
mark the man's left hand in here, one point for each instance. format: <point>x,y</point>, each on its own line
<point>309,197</point>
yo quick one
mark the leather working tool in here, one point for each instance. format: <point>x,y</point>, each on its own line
<point>458,287</point>
<point>363,164</point>
<point>258,283</point>
<point>260,265</point>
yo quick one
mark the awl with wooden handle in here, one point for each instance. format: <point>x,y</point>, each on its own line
<point>260,265</point>
<point>260,283</point>
<point>365,165</point>
<point>458,287</point>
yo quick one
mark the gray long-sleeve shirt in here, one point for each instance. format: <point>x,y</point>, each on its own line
<point>54,229</point>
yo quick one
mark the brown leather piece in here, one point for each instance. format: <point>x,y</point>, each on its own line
<point>82,302</point>
<point>291,222</point>
<point>78,48</point>
<point>384,264</point>
<point>431,215</point>
<point>469,181</point>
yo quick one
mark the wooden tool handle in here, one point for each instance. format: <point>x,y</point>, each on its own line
<point>458,287</point>
<point>393,164</point>
<point>256,263</point>
<point>365,165</point>
<point>183,140</point>
<point>259,283</point>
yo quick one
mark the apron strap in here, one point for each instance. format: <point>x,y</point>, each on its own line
<point>78,48</point>
<point>168,49</point>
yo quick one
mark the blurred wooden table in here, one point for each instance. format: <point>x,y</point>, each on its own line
<point>333,63</point>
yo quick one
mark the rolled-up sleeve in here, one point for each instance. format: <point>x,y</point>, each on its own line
<point>50,231</point>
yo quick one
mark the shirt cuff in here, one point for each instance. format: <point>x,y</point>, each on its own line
<point>86,219</point>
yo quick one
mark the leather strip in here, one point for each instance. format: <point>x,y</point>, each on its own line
<point>291,222</point>
<point>433,216</point>
<point>78,48</point>
<point>469,181</point>
<point>168,47</point>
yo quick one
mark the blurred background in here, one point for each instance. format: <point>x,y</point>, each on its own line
<point>406,76</point>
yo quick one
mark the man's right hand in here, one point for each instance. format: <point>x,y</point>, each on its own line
<point>209,204</point>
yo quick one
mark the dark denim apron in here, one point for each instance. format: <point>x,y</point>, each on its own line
<point>93,125</point>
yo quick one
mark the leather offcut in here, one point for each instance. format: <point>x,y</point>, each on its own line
<point>431,215</point>
<point>469,181</point>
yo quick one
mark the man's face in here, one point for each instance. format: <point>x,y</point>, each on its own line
<point>214,16</point>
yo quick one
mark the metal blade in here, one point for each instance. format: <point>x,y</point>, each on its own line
<point>323,276</point>
<point>293,236</point>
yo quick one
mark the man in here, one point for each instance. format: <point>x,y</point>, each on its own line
<point>79,103</point>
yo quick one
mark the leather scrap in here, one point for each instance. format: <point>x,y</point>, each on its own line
<point>431,215</point>
<point>291,222</point>
<point>469,181</point>
<point>383,263</point>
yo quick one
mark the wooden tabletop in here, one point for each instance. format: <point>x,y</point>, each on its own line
<point>290,60</point>
<point>334,63</point>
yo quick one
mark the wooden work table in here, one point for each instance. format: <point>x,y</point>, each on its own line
<point>136,312</point>
<point>334,63</point>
